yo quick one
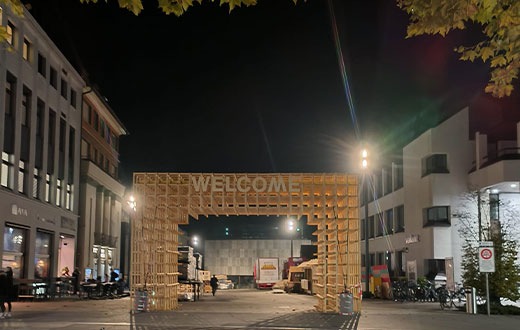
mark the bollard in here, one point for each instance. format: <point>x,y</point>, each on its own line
<point>346,303</point>
<point>471,300</point>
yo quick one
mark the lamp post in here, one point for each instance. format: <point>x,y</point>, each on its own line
<point>364,165</point>
<point>290,229</point>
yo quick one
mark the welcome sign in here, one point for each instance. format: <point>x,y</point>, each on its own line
<point>260,184</point>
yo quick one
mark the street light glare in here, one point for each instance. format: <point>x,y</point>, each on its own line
<point>364,153</point>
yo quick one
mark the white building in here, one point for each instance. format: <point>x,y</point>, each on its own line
<point>101,196</point>
<point>413,226</point>
<point>40,123</point>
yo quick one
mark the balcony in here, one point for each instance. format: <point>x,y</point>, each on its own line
<point>105,240</point>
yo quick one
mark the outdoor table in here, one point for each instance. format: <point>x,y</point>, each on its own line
<point>88,288</point>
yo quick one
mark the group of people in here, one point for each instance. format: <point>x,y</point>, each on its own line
<point>7,292</point>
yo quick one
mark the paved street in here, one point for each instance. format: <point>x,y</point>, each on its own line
<point>245,309</point>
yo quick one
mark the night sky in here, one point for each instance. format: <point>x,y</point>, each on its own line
<point>260,89</point>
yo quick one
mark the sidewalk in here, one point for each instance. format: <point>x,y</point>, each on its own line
<point>384,314</point>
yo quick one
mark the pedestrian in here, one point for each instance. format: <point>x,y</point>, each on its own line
<point>6,292</point>
<point>113,275</point>
<point>214,284</point>
<point>76,280</point>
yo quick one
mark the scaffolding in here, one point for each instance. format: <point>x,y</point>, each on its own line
<point>166,200</point>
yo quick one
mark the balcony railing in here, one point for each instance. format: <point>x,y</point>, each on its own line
<point>497,156</point>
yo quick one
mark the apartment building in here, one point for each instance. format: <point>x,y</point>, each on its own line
<point>414,203</point>
<point>40,100</point>
<point>102,195</point>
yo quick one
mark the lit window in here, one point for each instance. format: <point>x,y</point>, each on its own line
<point>58,192</point>
<point>47,188</point>
<point>36,184</point>
<point>7,170</point>
<point>26,50</point>
<point>68,198</point>
<point>10,29</point>
<point>21,177</point>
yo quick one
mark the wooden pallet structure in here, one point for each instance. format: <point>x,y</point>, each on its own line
<point>166,200</point>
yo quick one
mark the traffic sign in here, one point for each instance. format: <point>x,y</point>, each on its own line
<point>486,257</point>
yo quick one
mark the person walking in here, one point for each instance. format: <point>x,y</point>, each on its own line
<point>214,284</point>
<point>10,291</point>
<point>76,280</point>
<point>6,288</point>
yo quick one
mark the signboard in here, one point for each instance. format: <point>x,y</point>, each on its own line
<point>486,257</point>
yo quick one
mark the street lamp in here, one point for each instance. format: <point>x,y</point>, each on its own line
<point>291,226</point>
<point>364,166</point>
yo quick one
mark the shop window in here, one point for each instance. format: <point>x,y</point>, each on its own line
<point>14,250</point>
<point>42,254</point>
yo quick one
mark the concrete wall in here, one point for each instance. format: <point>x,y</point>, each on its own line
<point>237,257</point>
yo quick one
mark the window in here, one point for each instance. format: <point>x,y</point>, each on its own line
<point>363,232</point>
<point>40,113</point>
<point>53,78</point>
<point>42,255</point>
<point>398,176</point>
<point>14,250</point>
<point>380,224</point>
<point>21,177</point>
<point>36,184</point>
<point>68,197</point>
<point>437,163</point>
<point>26,50</point>
<point>387,174</point>
<point>494,210</point>
<point>59,189</point>
<point>73,98</point>
<point>389,221</point>
<point>96,121</point>
<point>42,65</point>
<point>7,170</point>
<point>11,34</point>
<point>48,188</point>
<point>10,95</point>
<point>399,219</point>
<point>64,88</point>
<point>371,227</point>
<point>26,106</point>
<point>437,215</point>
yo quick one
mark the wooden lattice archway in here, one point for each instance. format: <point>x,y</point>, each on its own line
<point>166,200</point>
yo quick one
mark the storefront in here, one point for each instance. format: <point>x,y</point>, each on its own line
<point>38,240</point>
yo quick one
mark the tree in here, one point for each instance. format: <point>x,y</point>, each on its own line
<point>176,7</point>
<point>504,235</point>
<point>500,22</point>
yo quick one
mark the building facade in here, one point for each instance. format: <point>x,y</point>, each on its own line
<point>414,205</point>
<point>102,195</point>
<point>40,122</point>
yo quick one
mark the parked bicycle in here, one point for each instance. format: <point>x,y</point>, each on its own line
<point>449,299</point>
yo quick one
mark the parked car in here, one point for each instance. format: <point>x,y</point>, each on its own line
<point>225,284</point>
